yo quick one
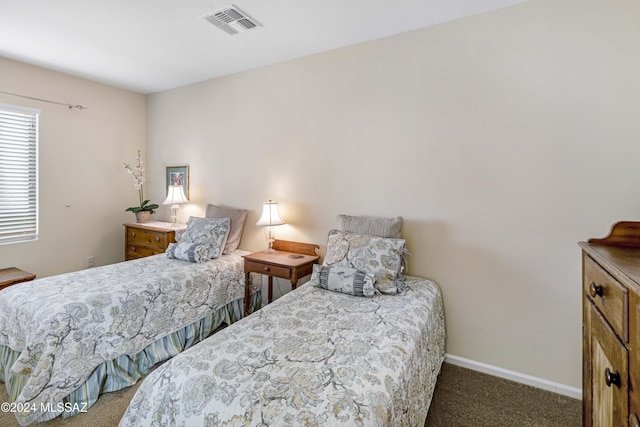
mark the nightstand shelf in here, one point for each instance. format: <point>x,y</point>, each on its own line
<point>290,260</point>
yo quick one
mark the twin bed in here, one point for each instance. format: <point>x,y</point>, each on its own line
<point>70,337</point>
<point>66,339</point>
<point>313,357</point>
<point>359,344</point>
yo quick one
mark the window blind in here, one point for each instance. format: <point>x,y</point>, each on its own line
<point>18,174</point>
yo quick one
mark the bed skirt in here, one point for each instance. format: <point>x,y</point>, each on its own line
<point>126,370</point>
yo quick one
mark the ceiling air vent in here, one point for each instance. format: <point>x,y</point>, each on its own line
<point>232,20</point>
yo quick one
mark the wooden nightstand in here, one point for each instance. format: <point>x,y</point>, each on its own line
<point>11,276</point>
<point>149,238</point>
<point>290,260</point>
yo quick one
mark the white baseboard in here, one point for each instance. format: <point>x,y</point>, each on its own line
<point>573,392</point>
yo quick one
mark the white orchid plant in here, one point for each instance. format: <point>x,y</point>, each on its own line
<point>137,172</point>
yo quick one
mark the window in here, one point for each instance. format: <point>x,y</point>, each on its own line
<point>18,174</point>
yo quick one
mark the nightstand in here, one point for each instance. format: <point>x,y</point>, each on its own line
<point>11,276</point>
<point>149,238</point>
<point>289,260</point>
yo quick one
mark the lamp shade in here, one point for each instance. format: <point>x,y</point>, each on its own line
<point>175,195</point>
<point>270,215</point>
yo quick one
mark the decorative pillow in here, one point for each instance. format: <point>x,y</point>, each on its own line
<point>343,279</point>
<point>237,216</point>
<point>211,232</point>
<point>372,226</point>
<point>378,256</point>
<point>187,251</point>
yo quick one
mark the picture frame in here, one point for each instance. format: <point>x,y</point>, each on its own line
<point>178,175</point>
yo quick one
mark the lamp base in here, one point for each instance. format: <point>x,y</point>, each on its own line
<point>175,208</point>
<point>270,236</point>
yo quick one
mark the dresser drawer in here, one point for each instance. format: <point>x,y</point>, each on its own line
<point>142,240</point>
<point>139,251</point>
<point>151,238</point>
<point>273,270</point>
<point>608,295</point>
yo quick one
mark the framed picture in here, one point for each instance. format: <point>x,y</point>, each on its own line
<point>178,175</point>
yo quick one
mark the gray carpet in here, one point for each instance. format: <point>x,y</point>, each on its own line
<point>468,398</point>
<point>462,398</point>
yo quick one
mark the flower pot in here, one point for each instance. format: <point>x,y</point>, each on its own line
<point>143,216</point>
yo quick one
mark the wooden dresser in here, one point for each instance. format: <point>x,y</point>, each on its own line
<point>611,328</point>
<point>146,239</point>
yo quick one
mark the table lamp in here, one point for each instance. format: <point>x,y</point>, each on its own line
<point>270,217</point>
<point>175,196</point>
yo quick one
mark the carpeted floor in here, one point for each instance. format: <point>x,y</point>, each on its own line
<point>468,398</point>
<point>462,398</point>
<point>106,412</point>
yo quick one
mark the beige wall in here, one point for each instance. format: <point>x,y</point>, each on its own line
<point>502,139</point>
<point>84,188</point>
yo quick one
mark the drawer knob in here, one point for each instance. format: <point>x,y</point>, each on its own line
<point>133,234</point>
<point>596,290</point>
<point>611,378</point>
<point>266,269</point>
<point>157,238</point>
<point>133,249</point>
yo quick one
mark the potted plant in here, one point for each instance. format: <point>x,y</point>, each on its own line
<point>144,211</point>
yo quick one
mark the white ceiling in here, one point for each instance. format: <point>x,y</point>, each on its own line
<point>152,45</point>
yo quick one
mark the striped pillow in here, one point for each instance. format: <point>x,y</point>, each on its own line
<point>343,279</point>
<point>187,251</point>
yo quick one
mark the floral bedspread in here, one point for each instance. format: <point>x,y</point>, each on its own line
<point>66,325</point>
<point>313,357</point>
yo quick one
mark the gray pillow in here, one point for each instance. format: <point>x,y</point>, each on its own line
<point>372,226</point>
<point>237,216</point>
